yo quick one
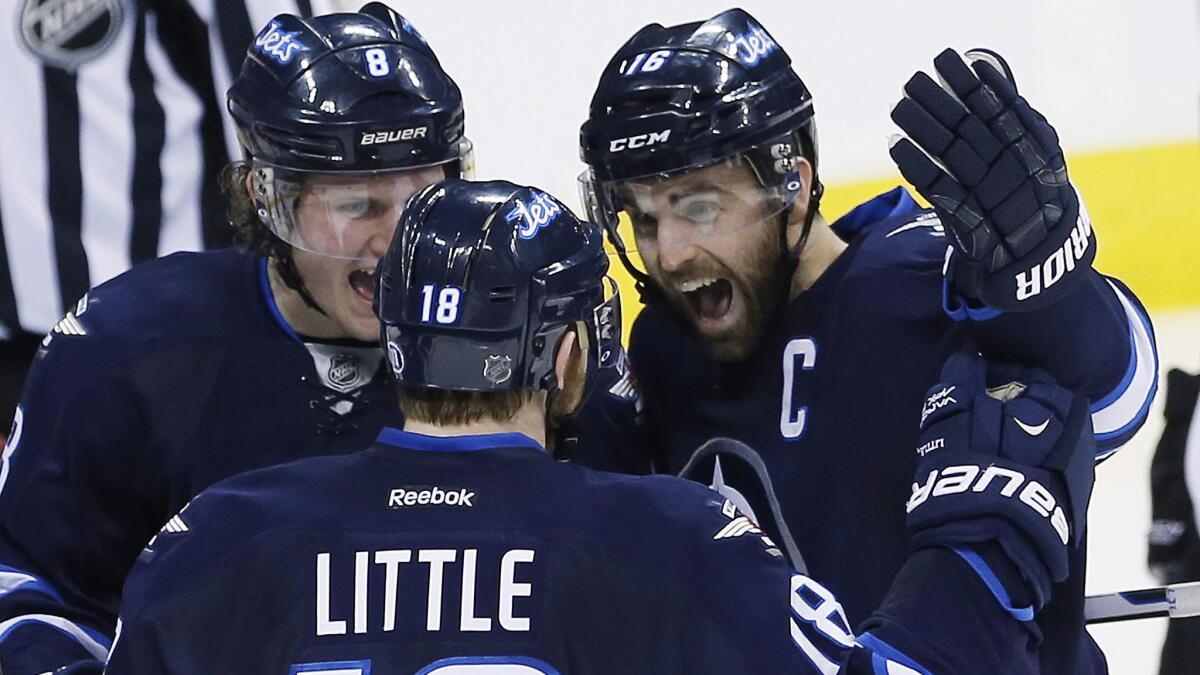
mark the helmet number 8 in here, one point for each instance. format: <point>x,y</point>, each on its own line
<point>446,311</point>
<point>377,62</point>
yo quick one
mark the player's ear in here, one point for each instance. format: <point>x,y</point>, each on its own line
<point>570,367</point>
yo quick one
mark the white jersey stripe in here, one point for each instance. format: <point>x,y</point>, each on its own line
<point>106,156</point>
<point>182,153</point>
<point>1123,408</point>
<point>93,647</point>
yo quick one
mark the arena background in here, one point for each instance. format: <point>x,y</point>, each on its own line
<point>1119,80</point>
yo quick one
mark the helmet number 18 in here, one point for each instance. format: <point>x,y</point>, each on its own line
<point>446,311</point>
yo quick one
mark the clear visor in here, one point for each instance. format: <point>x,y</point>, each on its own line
<point>349,215</point>
<point>656,221</point>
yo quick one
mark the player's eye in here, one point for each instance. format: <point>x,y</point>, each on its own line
<point>644,226</point>
<point>355,207</point>
<point>701,209</point>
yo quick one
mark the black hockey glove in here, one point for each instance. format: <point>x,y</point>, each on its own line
<point>992,168</point>
<point>1007,459</point>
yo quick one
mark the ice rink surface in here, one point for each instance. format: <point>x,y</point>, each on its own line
<point>1120,512</point>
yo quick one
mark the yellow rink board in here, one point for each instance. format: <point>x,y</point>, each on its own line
<point>1144,203</point>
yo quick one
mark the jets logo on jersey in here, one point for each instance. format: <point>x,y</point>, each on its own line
<point>740,525</point>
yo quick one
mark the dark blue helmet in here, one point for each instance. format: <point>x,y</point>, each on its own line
<point>691,96</point>
<point>346,92</point>
<point>480,282</point>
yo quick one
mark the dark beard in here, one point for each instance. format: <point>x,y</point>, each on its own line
<point>766,285</point>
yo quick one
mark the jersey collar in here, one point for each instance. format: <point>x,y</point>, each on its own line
<point>895,202</point>
<point>423,443</point>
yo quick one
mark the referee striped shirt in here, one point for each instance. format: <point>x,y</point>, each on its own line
<point>111,138</point>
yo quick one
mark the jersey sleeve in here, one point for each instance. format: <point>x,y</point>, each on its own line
<point>938,617</point>
<point>1097,340</point>
<point>179,591</point>
<point>71,502</point>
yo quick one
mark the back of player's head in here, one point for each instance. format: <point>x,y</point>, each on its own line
<point>350,99</point>
<point>481,282</point>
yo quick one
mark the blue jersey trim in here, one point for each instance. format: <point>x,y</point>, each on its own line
<point>36,584</point>
<point>364,667</point>
<point>1130,369</point>
<point>536,664</point>
<point>475,443</point>
<point>993,584</point>
<point>882,653</point>
<point>956,307</point>
<point>269,298</point>
<point>891,204</point>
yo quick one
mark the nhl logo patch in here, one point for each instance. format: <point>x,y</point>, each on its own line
<point>66,33</point>
<point>497,369</point>
<point>343,370</point>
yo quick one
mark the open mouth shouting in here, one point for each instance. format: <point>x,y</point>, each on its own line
<point>362,280</point>
<point>710,300</point>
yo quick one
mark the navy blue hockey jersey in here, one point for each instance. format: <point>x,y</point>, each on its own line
<point>160,382</point>
<point>831,397</point>
<point>481,554</point>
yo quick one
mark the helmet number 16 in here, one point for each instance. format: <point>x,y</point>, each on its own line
<point>446,310</point>
<point>647,62</point>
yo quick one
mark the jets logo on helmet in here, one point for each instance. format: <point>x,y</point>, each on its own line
<point>279,44</point>
<point>535,215</point>
<point>754,45</point>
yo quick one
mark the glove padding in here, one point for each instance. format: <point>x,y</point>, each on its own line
<point>1012,464</point>
<point>993,169</point>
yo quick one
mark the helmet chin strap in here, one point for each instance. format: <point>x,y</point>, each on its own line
<point>290,276</point>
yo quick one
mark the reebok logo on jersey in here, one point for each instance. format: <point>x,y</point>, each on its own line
<point>959,478</point>
<point>1032,430</point>
<point>430,496</point>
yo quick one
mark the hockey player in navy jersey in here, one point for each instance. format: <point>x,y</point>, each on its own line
<point>196,367</point>
<point>812,341</point>
<point>459,546</point>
